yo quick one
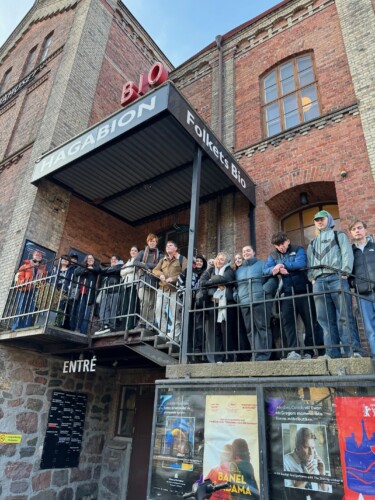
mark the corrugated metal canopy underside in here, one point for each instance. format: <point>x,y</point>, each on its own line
<point>142,174</point>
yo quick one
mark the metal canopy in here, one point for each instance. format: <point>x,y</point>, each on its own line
<point>137,164</point>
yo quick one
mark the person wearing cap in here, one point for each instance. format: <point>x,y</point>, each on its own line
<point>364,277</point>
<point>330,259</point>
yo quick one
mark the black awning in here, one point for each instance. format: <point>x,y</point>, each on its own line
<point>137,164</point>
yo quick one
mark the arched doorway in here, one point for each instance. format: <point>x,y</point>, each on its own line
<point>300,227</point>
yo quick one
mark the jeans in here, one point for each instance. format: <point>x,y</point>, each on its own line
<point>166,314</point>
<point>367,305</point>
<point>25,304</point>
<point>257,324</point>
<point>108,309</point>
<point>290,308</point>
<point>335,315</point>
<point>80,315</point>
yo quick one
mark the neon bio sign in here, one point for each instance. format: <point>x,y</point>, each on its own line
<point>157,75</point>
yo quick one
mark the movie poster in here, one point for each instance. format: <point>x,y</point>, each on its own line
<point>231,451</point>
<point>356,429</point>
<point>303,454</point>
<point>179,439</point>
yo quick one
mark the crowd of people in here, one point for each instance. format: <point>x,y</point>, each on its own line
<point>237,306</point>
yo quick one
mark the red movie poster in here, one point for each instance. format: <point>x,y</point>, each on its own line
<point>356,431</point>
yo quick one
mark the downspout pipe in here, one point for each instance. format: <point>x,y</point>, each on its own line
<point>219,46</point>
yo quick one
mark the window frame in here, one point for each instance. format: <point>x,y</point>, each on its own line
<point>5,80</point>
<point>30,61</point>
<point>45,47</point>
<point>295,92</point>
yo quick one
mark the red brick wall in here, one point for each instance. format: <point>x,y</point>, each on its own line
<point>123,62</point>
<point>319,33</point>
<point>199,95</point>
<point>59,24</point>
<point>317,157</point>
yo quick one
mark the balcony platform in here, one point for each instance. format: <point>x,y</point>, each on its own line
<point>41,338</point>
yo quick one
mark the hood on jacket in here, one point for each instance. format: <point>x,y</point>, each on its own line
<point>330,223</point>
<point>204,267</point>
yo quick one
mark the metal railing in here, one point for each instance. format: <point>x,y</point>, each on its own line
<point>260,328</point>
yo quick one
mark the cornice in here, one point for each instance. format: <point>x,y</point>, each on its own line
<point>303,129</point>
<point>36,14</point>
<point>241,42</point>
<point>141,39</point>
<point>14,158</point>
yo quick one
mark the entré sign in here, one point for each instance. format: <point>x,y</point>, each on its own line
<point>157,75</point>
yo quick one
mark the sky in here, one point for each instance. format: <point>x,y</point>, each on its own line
<point>181,28</point>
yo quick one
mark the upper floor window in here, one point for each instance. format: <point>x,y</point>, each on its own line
<point>45,47</point>
<point>30,60</point>
<point>5,81</point>
<point>290,95</point>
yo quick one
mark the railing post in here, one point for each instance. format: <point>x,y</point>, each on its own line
<point>194,212</point>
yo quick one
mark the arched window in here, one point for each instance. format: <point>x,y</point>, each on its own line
<point>289,95</point>
<point>45,48</point>
<point>300,225</point>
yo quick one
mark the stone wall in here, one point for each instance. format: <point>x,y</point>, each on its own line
<point>26,387</point>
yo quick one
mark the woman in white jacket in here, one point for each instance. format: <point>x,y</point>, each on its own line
<point>129,300</point>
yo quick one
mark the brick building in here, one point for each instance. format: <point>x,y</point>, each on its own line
<point>290,96</point>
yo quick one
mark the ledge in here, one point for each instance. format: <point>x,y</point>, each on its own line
<point>313,367</point>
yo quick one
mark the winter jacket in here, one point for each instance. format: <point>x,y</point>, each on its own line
<point>252,285</point>
<point>170,268</point>
<point>111,277</point>
<point>294,260</point>
<point>197,274</point>
<point>27,273</point>
<point>324,250</point>
<point>211,281</point>
<point>87,282</point>
<point>147,260</point>
<point>364,266</point>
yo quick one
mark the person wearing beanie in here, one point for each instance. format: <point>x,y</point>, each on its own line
<point>330,259</point>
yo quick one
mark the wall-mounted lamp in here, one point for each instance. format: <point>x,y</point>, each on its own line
<point>303,198</point>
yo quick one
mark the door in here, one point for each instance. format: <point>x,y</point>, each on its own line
<point>141,442</point>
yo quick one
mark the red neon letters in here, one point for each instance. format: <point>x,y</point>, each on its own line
<point>156,76</point>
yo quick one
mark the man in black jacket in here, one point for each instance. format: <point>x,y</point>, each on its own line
<point>364,267</point>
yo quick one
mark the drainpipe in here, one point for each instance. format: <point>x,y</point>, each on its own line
<point>218,40</point>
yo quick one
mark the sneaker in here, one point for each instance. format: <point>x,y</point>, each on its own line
<point>325,356</point>
<point>307,356</point>
<point>106,329</point>
<point>356,355</point>
<point>293,356</point>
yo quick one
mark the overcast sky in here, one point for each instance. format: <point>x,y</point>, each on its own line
<point>181,28</point>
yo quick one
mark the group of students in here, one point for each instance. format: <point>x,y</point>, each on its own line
<point>232,303</point>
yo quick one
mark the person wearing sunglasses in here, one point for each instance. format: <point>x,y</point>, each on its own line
<point>25,290</point>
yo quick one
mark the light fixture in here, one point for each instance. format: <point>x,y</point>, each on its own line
<point>303,198</point>
<point>114,364</point>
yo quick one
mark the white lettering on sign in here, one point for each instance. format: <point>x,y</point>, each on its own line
<point>90,140</point>
<point>80,365</point>
<point>204,136</point>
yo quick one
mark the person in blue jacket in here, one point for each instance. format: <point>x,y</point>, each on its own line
<point>251,292</point>
<point>289,262</point>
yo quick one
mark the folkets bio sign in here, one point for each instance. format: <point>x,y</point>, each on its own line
<point>356,430</point>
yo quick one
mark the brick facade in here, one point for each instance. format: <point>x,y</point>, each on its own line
<point>96,46</point>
